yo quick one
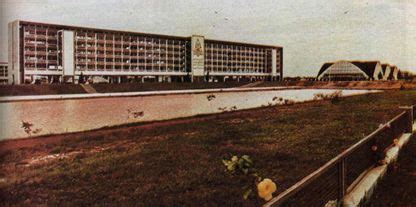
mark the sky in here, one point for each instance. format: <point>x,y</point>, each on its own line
<point>311,32</point>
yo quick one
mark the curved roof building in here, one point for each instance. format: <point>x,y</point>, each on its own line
<point>386,68</point>
<point>351,70</point>
<point>394,73</point>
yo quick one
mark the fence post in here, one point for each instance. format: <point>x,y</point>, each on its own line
<point>341,180</point>
<point>409,118</point>
<point>411,122</point>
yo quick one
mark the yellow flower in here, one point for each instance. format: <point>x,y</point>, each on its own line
<point>266,188</point>
<point>234,158</point>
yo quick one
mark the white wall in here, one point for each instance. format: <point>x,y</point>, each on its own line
<point>13,52</point>
<point>197,57</point>
<point>68,53</point>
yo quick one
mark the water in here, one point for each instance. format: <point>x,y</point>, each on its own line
<point>71,115</point>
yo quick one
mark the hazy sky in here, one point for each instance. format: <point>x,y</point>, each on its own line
<point>310,31</point>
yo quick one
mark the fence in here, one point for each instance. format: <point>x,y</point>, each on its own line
<point>334,179</point>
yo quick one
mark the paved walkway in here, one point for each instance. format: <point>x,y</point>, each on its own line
<point>88,88</point>
<point>251,84</point>
<point>142,93</point>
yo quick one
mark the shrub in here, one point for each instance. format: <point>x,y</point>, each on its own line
<point>334,97</point>
<point>27,127</point>
<point>244,166</point>
<point>281,101</point>
<point>211,97</point>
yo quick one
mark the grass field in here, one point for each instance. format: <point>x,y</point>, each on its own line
<point>22,90</point>
<point>128,87</point>
<point>178,163</point>
<point>399,186</point>
<point>385,85</point>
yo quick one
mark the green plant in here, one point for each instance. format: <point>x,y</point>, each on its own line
<point>281,101</point>
<point>334,97</point>
<point>222,109</point>
<point>244,166</point>
<point>135,114</point>
<point>211,97</point>
<point>233,108</point>
<point>27,127</point>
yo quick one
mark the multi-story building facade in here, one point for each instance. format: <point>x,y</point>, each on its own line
<point>3,73</point>
<point>64,53</point>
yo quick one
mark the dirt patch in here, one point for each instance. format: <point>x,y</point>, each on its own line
<point>51,157</point>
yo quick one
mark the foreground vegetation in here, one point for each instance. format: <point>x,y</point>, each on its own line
<point>179,162</point>
<point>26,90</point>
<point>129,87</point>
<point>399,185</point>
<point>384,85</point>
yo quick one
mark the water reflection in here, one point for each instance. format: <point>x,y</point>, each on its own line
<point>70,115</point>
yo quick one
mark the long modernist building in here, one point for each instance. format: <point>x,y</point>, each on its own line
<point>64,53</point>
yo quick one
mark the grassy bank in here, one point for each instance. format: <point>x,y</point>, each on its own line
<point>128,87</point>
<point>399,186</point>
<point>179,163</point>
<point>346,84</point>
<point>23,90</point>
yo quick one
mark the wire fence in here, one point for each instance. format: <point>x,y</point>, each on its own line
<point>338,176</point>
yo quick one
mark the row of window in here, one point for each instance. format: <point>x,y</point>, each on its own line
<point>128,62</point>
<point>132,69</point>
<point>117,39</point>
<point>3,71</point>
<point>236,70</point>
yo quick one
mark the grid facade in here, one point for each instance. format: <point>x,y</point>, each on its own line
<point>99,51</point>
<point>40,48</point>
<point>234,59</point>
<point>3,73</point>
<point>37,50</point>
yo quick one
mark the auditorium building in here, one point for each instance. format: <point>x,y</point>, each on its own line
<point>59,53</point>
<point>344,70</point>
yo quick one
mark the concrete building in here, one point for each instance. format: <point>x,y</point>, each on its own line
<point>386,71</point>
<point>394,74</point>
<point>60,53</point>
<point>3,73</point>
<point>350,70</point>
